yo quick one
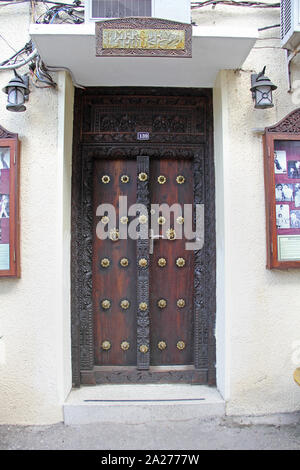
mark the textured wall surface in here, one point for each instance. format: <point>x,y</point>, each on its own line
<point>258,310</point>
<point>31,308</point>
<point>258,323</point>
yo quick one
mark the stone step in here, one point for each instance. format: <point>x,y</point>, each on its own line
<point>135,404</point>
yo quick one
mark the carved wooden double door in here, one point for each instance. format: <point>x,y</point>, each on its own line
<point>143,308</point>
<point>143,288</point>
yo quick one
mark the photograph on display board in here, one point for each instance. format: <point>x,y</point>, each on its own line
<point>295,219</point>
<point>280,162</point>
<point>294,169</point>
<point>4,231</point>
<point>4,181</point>
<point>297,195</point>
<point>284,192</point>
<point>4,206</point>
<point>283,215</point>
<point>4,159</point>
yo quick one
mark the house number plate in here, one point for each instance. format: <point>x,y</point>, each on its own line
<point>143,136</point>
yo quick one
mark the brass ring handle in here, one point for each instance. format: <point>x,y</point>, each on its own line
<point>106,345</point>
<point>180,179</point>
<point>124,304</point>
<point>180,262</point>
<point>114,235</point>
<point>162,303</point>
<point>180,345</point>
<point>143,176</point>
<point>143,219</point>
<point>124,262</point>
<point>161,179</point>
<point>143,262</point>
<point>125,179</point>
<point>105,263</point>
<point>171,234</point>
<point>162,345</point>
<point>143,306</point>
<point>105,179</point>
<point>162,262</point>
<point>106,304</point>
<point>105,219</point>
<point>180,303</point>
<point>125,345</point>
<point>161,220</point>
<point>124,220</point>
<point>143,348</point>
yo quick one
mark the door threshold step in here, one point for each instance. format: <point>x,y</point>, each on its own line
<point>135,404</point>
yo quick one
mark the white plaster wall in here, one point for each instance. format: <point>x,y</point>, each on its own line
<point>34,310</point>
<point>257,317</point>
<point>258,322</point>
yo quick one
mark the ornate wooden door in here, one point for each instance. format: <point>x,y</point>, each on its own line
<point>143,289</point>
<point>143,309</point>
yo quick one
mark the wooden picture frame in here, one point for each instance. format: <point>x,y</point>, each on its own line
<point>9,204</point>
<point>282,192</point>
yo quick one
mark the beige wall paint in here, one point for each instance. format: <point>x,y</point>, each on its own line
<point>258,323</point>
<point>257,317</point>
<point>34,313</point>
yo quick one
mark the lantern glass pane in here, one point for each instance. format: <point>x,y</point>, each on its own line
<point>15,96</point>
<point>263,97</point>
<point>15,99</point>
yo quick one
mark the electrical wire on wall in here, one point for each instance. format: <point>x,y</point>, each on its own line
<point>39,74</point>
<point>233,3</point>
<point>59,12</point>
<point>62,13</point>
<point>20,58</point>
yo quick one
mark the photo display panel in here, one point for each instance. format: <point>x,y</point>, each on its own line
<point>4,208</point>
<point>9,204</point>
<point>287,198</point>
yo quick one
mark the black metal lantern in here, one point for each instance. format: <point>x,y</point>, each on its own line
<point>17,92</point>
<point>261,87</point>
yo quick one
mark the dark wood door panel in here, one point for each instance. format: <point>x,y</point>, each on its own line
<point>173,324</point>
<point>115,282</point>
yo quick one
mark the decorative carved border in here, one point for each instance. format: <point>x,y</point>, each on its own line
<point>288,129</point>
<point>142,251</point>
<point>205,260</point>
<point>143,23</point>
<point>134,376</point>
<point>5,134</point>
<point>289,124</point>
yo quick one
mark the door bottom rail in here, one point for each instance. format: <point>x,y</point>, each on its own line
<point>156,374</point>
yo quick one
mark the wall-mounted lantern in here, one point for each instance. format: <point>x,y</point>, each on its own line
<point>17,92</point>
<point>261,87</point>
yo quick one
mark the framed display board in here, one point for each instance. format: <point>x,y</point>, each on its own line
<point>9,205</point>
<point>282,190</point>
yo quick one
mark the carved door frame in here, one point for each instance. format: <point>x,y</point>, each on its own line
<point>88,146</point>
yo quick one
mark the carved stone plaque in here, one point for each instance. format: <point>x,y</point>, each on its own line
<point>148,37</point>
